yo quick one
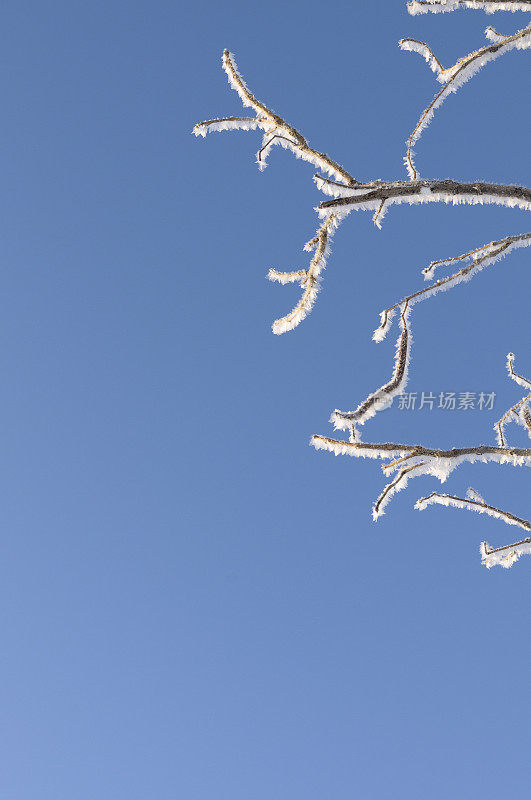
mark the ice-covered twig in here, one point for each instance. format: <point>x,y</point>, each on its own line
<point>504,556</point>
<point>416,46</point>
<point>521,381</point>
<point>454,77</point>
<point>494,36</point>
<point>490,6</point>
<point>470,504</point>
<point>524,416</point>
<point>392,488</point>
<point>520,411</point>
<point>521,240</point>
<point>471,494</point>
<point>382,397</point>
<point>481,257</point>
<point>277,130</point>
<point>309,279</point>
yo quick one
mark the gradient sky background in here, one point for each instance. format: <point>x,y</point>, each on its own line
<point>194,603</point>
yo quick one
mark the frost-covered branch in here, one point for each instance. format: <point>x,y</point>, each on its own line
<point>402,462</point>
<point>471,503</point>
<point>369,197</point>
<point>415,460</point>
<point>444,461</point>
<point>277,130</point>
<point>455,76</point>
<point>520,412</point>
<point>504,556</point>
<point>512,374</point>
<point>490,6</point>
<point>309,279</point>
<point>480,258</point>
<point>382,397</point>
<point>348,193</point>
<point>395,486</point>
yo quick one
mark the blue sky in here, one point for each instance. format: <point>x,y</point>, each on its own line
<point>194,603</point>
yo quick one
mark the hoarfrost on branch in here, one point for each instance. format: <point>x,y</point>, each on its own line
<point>403,462</point>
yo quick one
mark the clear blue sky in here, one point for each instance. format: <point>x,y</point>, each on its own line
<point>194,603</point>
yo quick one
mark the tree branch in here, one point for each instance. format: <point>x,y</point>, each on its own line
<point>481,257</point>
<point>490,6</point>
<point>504,556</point>
<point>266,119</point>
<point>520,411</point>
<point>347,194</point>
<point>454,77</point>
<point>369,196</point>
<point>471,504</point>
<point>383,397</point>
<point>416,460</point>
<point>309,279</point>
